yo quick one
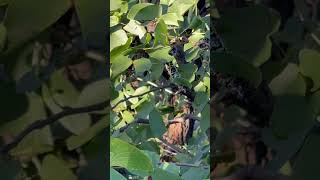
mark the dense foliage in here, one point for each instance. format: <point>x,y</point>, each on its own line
<point>51,61</point>
<point>164,43</point>
<point>266,104</point>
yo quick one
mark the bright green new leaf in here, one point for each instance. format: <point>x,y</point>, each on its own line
<point>134,27</point>
<point>115,5</point>
<point>180,7</point>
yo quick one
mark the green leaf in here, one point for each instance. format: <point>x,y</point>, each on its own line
<point>315,102</point>
<point>38,141</point>
<point>160,174</point>
<point>170,167</point>
<point>114,20</point>
<point>118,38</point>
<point>94,93</point>
<point>128,156</point>
<point>292,32</point>
<point>289,81</point>
<point>291,115</point>
<point>195,22</point>
<point>192,54</point>
<point>285,148</point>
<point>246,32</point>
<point>120,49</point>
<point>187,71</point>
<point>144,12</point>
<point>95,156</point>
<point>74,141</point>
<point>53,167</point>
<point>145,108</point>
<point>61,92</point>
<point>200,87</point>
<point>127,117</point>
<point>309,61</point>
<point>134,27</point>
<point>142,65</point>
<point>200,101</point>
<point>307,162</point>
<point>205,118</point>
<point>92,21</point>
<point>196,173</point>
<point>116,175</point>
<point>161,34</point>
<point>171,19</point>
<point>161,54</point>
<point>236,66</point>
<point>3,36</point>
<point>156,69</point>
<point>156,123</point>
<point>181,6</point>
<point>115,5</point>
<point>119,65</point>
<point>41,14</point>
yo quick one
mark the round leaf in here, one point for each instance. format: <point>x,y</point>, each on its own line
<point>128,156</point>
<point>53,166</point>
<point>144,12</point>
<point>309,63</point>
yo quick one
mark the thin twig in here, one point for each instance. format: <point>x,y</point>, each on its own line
<point>139,95</point>
<point>190,165</point>
<point>146,121</point>
<point>44,122</point>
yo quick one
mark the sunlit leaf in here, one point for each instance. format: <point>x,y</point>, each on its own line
<point>128,156</point>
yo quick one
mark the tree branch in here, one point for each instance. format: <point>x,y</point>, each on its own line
<point>189,165</point>
<point>146,121</point>
<point>43,122</point>
<point>130,97</point>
